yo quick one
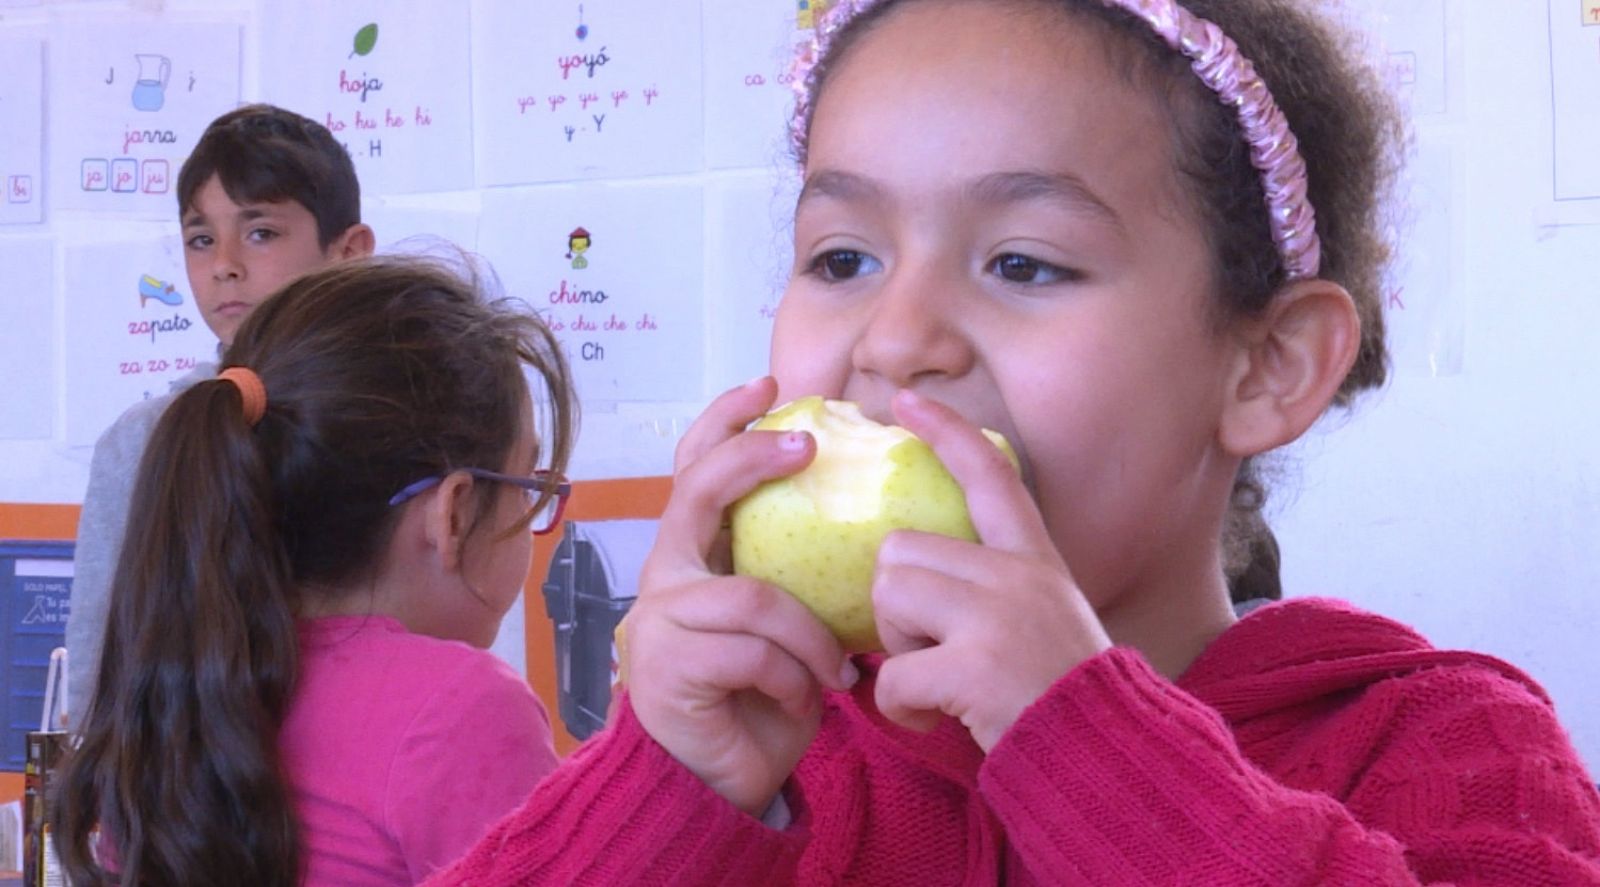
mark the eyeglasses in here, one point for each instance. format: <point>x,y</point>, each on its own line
<point>547,493</point>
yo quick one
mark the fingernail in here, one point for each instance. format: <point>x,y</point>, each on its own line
<point>754,383</point>
<point>794,441</point>
<point>848,675</point>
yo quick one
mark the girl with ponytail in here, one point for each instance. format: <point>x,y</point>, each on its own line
<point>322,540</point>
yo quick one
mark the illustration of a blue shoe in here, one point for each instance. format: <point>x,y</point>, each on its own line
<point>160,290</point>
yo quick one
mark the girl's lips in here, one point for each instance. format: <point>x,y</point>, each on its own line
<point>233,308</point>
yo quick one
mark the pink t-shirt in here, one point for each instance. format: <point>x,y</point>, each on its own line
<point>401,749</point>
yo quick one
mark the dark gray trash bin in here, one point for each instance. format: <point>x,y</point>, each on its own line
<point>593,579</point>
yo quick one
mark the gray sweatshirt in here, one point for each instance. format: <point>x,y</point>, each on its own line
<point>101,526</point>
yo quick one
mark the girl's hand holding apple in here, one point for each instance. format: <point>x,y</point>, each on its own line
<point>726,672</point>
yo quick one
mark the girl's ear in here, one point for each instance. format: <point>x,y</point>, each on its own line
<point>449,517</point>
<point>1291,363</point>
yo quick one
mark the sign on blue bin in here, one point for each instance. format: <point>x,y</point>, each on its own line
<point>35,584</point>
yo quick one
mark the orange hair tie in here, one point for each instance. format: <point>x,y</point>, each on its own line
<point>251,391</point>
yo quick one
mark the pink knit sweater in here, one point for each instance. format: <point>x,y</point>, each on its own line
<point>1311,744</point>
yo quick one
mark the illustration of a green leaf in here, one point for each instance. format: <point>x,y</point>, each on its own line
<point>366,39</point>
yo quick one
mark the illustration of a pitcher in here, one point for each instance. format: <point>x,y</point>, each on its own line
<point>150,90</point>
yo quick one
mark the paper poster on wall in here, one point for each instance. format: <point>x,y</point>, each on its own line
<point>568,90</point>
<point>615,270</point>
<point>749,231</point>
<point>132,329</point>
<point>27,340</point>
<point>1575,72</point>
<point>423,227</point>
<point>127,103</point>
<point>389,79</point>
<point>1425,317</point>
<point>750,48</point>
<point>22,120</point>
<point>1414,39</point>
<point>1408,41</point>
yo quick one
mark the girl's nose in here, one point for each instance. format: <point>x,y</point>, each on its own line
<point>914,332</point>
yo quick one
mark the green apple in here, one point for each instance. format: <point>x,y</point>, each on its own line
<point>816,534</point>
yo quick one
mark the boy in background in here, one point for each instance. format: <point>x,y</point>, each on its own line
<point>266,196</point>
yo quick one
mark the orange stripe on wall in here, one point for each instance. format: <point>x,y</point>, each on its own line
<point>56,522</point>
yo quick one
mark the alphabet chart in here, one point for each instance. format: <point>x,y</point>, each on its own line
<point>616,272</point>
<point>27,358</point>
<point>128,101</point>
<point>750,48</point>
<point>1575,67</point>
<point>572,90</point>
<point>133,326</point>
<point>389,79</point>
<point>22,120</point>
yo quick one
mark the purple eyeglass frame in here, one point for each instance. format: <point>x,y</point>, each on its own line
<point>538,482</point>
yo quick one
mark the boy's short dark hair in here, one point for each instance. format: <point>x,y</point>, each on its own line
<point>263,153</point>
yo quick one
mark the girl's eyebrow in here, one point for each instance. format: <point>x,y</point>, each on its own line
<point>848,187</point>
<point>1064,189</point>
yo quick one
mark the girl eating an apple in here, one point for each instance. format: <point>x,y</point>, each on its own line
<point>1097,228</point>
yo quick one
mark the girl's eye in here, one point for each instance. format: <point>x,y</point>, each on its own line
<point>843,264</point>
<point>263,234</point>
<point>199,241</point>
<point>1022,269</point>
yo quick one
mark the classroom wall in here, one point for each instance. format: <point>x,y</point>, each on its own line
<point>1464,498</point>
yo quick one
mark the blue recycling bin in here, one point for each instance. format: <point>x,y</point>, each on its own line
<point>35,589</point>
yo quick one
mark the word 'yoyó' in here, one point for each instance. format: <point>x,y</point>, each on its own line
<point>147,137</point>
<point>588,62</point>
<point>359,85</point>
<point>152,328</point>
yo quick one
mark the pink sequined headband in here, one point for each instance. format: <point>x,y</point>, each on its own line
<point>1216,60</point>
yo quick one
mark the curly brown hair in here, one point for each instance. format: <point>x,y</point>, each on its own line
<point>1349,131</point>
